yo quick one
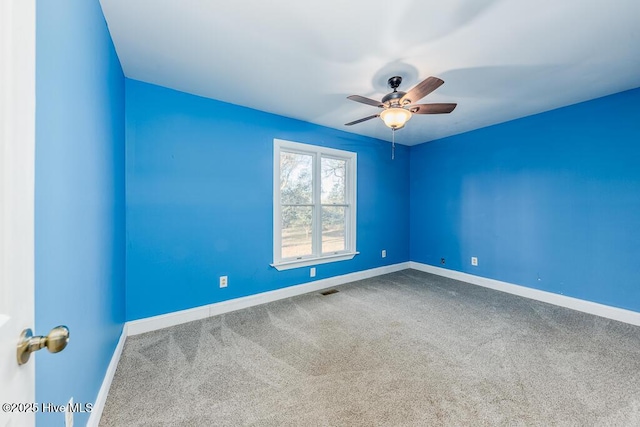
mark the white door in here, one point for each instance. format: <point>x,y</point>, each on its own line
<point>17,145</point>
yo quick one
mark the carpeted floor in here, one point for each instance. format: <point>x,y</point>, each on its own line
<point>407,348</point>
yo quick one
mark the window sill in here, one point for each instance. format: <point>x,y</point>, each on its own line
<point>288,265</point>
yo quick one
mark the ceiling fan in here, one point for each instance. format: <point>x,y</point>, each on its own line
<point>398,106</point>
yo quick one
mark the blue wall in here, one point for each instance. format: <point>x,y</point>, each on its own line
<point>200,200</point>
<point>79,200</point>
<point>551,201</point>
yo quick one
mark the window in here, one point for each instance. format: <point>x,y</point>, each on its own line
<point>314,205</point>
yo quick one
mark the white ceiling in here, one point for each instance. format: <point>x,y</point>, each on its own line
<point>500,59</point>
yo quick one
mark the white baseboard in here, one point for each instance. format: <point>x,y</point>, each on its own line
<point>98,406</point>
<point>149,324</point>
<point>614,313</point>
<point>162,321</point>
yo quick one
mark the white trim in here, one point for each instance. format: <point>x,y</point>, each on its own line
<point>149,324</point>
<point>614,313</point>
<point>101,399</point>
<point>17,186</point>
<point>317,152</point>
<point>162,321</point>
<point>288,265</point>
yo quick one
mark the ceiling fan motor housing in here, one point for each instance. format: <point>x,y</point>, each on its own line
<point>393,97</point>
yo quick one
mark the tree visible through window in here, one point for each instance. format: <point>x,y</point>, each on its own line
<point>334,204</point>
<point>314,204</point>
<point>296,190</point>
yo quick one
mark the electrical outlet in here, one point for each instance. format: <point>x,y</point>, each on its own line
<point>223,281</point>
<point>312,272</point>
<point>474,260</point>
<point>68,414</point>
<point>441,260</point>
<point>384,253</point>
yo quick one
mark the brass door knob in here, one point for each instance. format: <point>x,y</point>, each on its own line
<point>55,341</point>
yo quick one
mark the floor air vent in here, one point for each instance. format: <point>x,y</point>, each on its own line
<point>329,292</point>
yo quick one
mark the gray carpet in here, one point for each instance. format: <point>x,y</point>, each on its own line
<point>407,348</point>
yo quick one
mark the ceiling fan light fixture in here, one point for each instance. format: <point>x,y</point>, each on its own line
<point>395,118</point>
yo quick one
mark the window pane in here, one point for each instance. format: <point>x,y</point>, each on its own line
<point>333,228</point>
<point>296,173</point>
<point>333,180</point>
<point>296,231</point>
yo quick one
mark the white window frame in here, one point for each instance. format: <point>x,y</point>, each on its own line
<point>317,257</point>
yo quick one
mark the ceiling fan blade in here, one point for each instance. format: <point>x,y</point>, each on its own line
<point>355,122</point>
<point>431,108</point>
<point>422,89</point>
<point>364,100</point>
